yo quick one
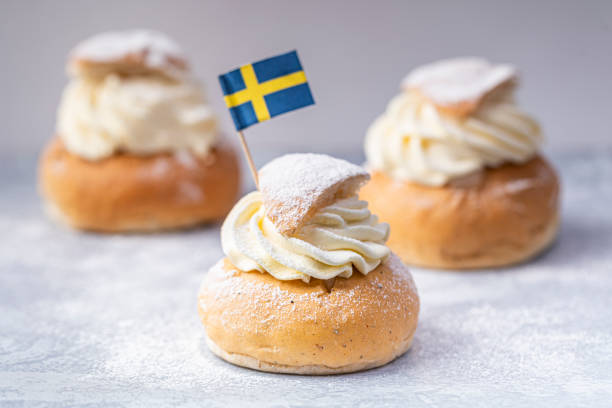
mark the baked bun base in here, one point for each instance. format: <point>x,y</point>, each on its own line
<point>254,364</point>
<point>497,217</point>
<point>129,193</point>
<point>254,320</point>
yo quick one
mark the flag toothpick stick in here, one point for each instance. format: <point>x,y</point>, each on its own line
<point>262,90</point>
<point>247,153</point>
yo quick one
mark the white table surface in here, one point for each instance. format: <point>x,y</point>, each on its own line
<point>94,320</point>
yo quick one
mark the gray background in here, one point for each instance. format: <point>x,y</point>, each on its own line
<point>354,52</point>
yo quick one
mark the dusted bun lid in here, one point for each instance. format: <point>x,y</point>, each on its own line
<point>458,86</point>
<point>127,52</point>
<point>296,186</point>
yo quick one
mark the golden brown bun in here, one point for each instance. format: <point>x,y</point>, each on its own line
<point>256,321</point>
<point>139,193</point>
<point>497,217</point>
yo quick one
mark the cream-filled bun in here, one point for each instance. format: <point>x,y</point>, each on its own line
<point>456,169</point>
<point>307,284</point>
<point>137,146</point>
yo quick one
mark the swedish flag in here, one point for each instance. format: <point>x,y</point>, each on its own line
<point>264,89</point>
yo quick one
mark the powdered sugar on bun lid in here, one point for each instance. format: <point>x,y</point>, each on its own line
<point>128,52</point>
<point>296,186</point>
<point>458,86</point>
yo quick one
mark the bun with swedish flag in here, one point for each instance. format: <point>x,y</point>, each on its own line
<point>308,285</point>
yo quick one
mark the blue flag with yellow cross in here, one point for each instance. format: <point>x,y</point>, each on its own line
<point>259,91</point>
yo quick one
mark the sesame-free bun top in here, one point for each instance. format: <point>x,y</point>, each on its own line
<point>127,52</point>
<point>306,222</point>
<point>295,186</point>
<point>459,85</point>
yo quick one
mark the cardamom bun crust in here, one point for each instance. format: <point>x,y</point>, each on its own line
<point>497,217</point>
<point>127,192</point>
<point>256,321</point>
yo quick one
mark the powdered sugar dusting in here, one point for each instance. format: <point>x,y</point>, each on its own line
<point>190,192</point>
<point>294,186</point>
<point>339,305</point>
<point>457,80</point>
<point>160,168</point>
<point>186,159</point>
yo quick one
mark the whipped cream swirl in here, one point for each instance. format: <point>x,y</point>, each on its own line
<point>141,115</point>
<point>414,141</point>
<point>340,237</point>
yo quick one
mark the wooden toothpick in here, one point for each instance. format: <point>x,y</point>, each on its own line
<point>247,153</point>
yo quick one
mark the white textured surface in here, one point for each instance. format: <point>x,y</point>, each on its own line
<point>112,321</point>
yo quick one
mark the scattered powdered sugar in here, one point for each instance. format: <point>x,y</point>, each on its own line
<point>294,186</point>
<point>457,80</point>
<point>189,192</point>
<point>186,159</point>
<point>519,185</point>
<point>115,45</point>
<point>158,169</point>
